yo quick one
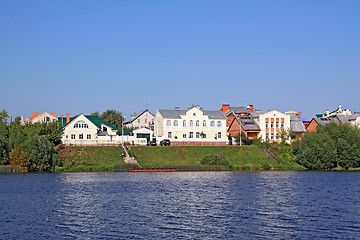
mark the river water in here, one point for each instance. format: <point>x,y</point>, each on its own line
<point>193,205</point>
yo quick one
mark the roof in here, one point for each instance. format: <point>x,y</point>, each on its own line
<point>96,120</point>
<point>325,120</point>
<point>296,124</point>
<point>346,118</point>
<point>134,116</point>
<point>166,113</point>
<point>248,123</point>
<point>238,110</point>
<point>304,119</point>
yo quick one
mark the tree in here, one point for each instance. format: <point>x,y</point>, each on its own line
<point>113,117</point>
<point>95,113</point>
<point>4,116</point>
<point>4,142</point>
<point>41,153</point>
<point>20,156</point>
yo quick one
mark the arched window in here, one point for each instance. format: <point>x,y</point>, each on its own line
<point>168,123</point>
<point>191,123</point>
<point>204,123</point>
<point>184,123</point>
<point>197,123</point>
<point>212,123</point>
<point>176,123</point>
<point>219,123</point>
<point>81,124</point>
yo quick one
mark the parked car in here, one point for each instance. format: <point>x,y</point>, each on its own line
<point>152,143</point>
<point>165,142</point>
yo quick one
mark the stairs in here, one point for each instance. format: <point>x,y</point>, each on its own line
<point>127,158</point>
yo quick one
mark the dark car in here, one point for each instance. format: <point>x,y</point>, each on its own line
<point>152,143</point>
<point>165,142</point>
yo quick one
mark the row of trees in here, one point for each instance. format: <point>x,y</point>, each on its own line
<point>333,145</point>
<point>30,146</point>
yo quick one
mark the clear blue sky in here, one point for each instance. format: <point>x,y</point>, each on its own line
<point>85,56</point>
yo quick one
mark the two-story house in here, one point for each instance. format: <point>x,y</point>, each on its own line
<point>143,119</point>
<point>193,126</point>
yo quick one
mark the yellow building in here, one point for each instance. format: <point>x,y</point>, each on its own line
<point>88,130</point>
<point>193,126</point>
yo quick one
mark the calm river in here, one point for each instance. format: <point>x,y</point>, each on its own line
<point>194,205</point>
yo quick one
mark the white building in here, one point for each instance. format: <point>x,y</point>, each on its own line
<point>143,119</point>
<point>193,126</point>
<point>271,125</point>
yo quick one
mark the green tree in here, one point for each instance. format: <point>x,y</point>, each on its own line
<point>4,142</point>
<point>113,117</point>
<point>4,116</point>
<point>41,153</point>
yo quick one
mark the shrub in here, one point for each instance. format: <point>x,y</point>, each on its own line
<point>20,156</point>
<point>215,159</point>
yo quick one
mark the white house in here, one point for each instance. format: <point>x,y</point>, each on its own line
<point>272,123</point>
<point>140,120</point>
<point>193,126</point>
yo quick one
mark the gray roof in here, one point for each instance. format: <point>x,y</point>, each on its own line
<point>167,113</point>
<point>346,118</point>
<point>134,116</point>
<point>325,120</point>
<point>248,123</point>
<point>296,125</point>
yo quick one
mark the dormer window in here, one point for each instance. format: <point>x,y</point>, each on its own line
<point>81,124</point>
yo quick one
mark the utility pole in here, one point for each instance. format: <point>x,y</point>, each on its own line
<point>240,131</point>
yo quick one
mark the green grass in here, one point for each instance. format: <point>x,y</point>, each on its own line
<point>247,158</point>
<point>92,159</point>
<point>10,169</point>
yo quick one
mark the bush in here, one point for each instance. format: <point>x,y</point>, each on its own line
<point>20,156</point>
<point>215,159</point>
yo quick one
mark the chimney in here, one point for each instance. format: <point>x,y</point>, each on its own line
<point>251,108</point>
<point>225,108</point>
<point>67,117</point>
<point>34,115</point>
<point>61,115</point>
<point>53,114</point>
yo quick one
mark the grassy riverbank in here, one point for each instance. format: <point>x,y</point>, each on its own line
<point>188,158</point>
<point>184,158</point>
<point>91,159</point>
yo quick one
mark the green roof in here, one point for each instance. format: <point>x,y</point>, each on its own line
<point>96,120</point>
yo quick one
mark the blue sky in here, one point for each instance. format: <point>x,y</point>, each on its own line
<point>86,56</point>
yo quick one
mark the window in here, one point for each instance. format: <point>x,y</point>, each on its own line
<point>194,114</point>
<point>81,124</point>
<point>229,122</point>
<point>88,136</point>
<point>145,120</point>
<point>219,134</point>
<point>191,134</point>
<point>204,123</point>
<point>81,136</point>
<point>176,123</point>
<point>168,123</point>
<point>267,125</point>
<point>293,137</point>
<point>139,120</point>
<point>277,125</point>
<point>282,125</point>
<point>267,136</point>
<point>219,123</point>
<point>191,123</point>
<point>197,135</point>
<point>184,135</point>
<point>169,134</point>
<point>272,125</point>
<point>272,136</point>
<point>212,123</point>
<point>203,135</point>
<point>72,136</point>
<point>197,123</point>
<point>184,123</point>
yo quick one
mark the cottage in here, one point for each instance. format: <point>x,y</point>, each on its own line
<point>143,119</point>
<point>88,130</point>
